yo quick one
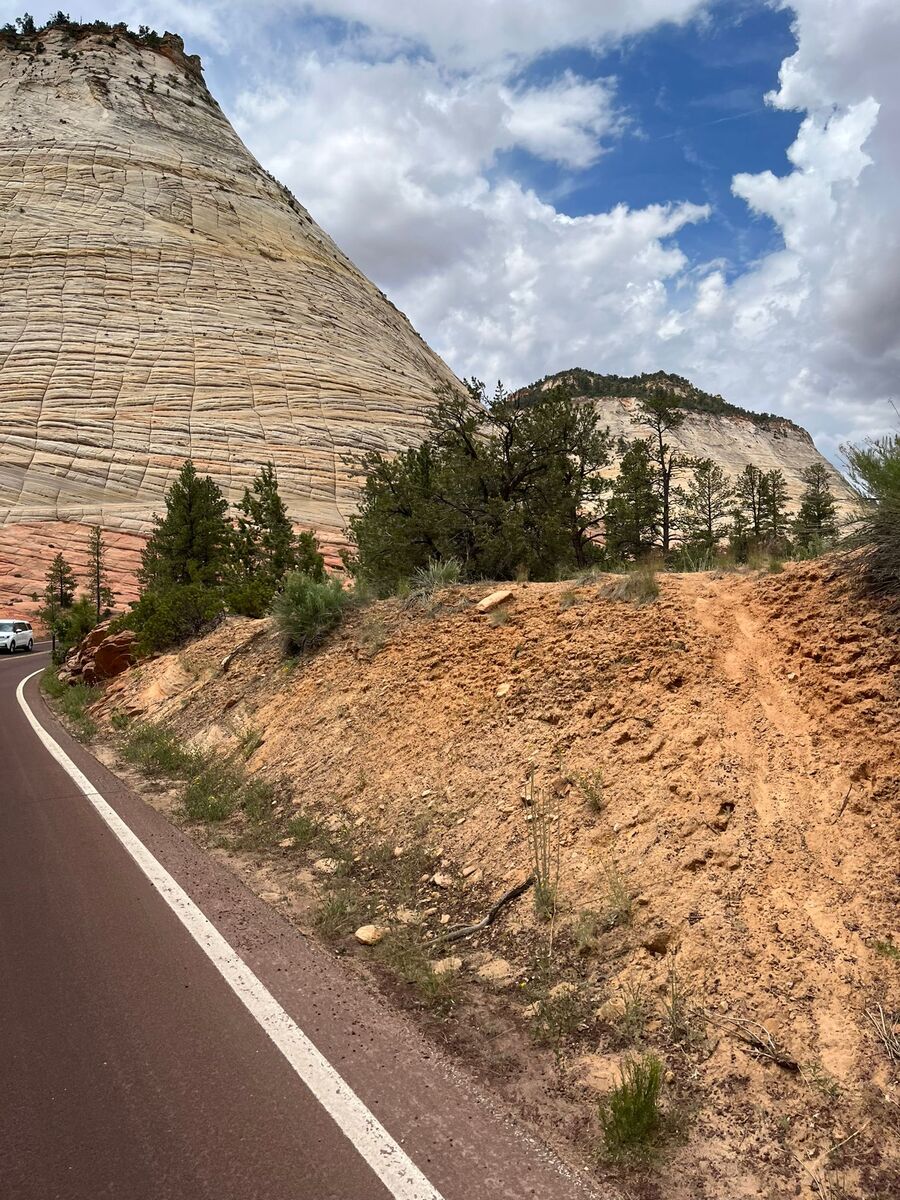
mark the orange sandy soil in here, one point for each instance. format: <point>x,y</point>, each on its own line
<point>748,732</point>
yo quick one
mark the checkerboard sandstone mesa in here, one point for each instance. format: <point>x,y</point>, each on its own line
<point>165,297</point>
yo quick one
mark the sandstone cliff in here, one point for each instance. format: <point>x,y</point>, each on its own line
<point>732,437</point>
<point>163,298</point>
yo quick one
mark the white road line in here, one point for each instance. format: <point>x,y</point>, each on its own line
<point>391,1164</point>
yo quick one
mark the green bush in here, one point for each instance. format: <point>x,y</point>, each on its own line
<point>630,1117</point>
<point>875,472</point>
<point>307,609</point>
<point>166,616</point>
<point>72,701</point>
<point>158,752</point>
<point>213,794</point>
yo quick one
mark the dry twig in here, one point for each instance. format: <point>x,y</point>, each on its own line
<point>755,1035</point>
<point>467,930</point>
<point>884,1027</point>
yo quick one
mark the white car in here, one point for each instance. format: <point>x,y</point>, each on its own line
<point>16,635</point>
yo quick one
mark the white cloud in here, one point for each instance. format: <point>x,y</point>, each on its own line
<point>396,138</point>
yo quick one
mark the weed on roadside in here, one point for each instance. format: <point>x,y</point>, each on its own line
<point>628,1019</point>
<point>340,911</point>
<point>638,586</point>
<point>542,822</point>
<point>305,830</point>
<point>72,701</point>
<point>887,950</point>
<point>158,752</point>
<point>403,954</point>
<point>250,742</point>
<point>631,1119</point>
<point>684,1023</point>
<point>618,907</point>
<point>213,794</point>
<point>562,1013</point>
<point>586,933</point>
<point>590,785</point>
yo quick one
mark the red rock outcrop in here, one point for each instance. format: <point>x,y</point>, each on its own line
<point>101,655</point>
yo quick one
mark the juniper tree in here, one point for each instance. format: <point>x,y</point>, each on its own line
<point>661,416</point>
<point>816,521</point>
<point>503,484</point>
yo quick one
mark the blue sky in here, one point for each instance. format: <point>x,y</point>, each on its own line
<point>703,187</point>
<point>694,95</point>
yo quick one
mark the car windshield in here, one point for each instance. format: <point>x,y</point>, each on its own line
<point>6,626</point>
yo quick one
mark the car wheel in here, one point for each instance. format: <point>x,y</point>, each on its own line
<point>30,645</point>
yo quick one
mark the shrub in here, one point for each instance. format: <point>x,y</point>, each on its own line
<point>166,616</point>
<point>437,574</point>
<point>875,472</point>
<point>560,1014</point>
<point>630,1116</point>
<point>306,610</point>
<point>590,785</point>
<point>158,752</point>
<point>212,794</point>
<point>72,702</point>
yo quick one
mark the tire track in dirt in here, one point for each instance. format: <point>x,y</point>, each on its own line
<point>784,751</point>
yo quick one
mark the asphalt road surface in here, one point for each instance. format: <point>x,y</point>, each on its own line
<point>143,1056</point>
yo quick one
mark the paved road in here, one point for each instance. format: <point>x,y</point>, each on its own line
<point>129,1068</point>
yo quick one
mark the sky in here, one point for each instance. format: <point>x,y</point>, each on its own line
<point>708,188</point>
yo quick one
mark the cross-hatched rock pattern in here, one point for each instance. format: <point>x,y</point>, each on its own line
<point>164,297</point>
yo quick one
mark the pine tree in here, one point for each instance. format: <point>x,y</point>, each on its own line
<point>191,544</point>
<point>631,520</point>
<point>661,416</point>
<point>750,492</point>
<point>60,586</point>
<point>706,504</point>
<point>266,547</point>
<point>774,506</point>
<point>816,521</point>
<point>101,594</point>
<point>265,540</point>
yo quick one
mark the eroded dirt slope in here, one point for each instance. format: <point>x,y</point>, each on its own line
<point>748,733</point>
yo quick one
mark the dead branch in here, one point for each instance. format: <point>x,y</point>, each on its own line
<point>514,893</point>
<point>755,1035</point>
<point>886,1033</point>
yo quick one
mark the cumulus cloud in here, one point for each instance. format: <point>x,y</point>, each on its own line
<point>402,128</point>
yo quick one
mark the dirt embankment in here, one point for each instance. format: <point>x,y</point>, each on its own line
<point>729,755</point>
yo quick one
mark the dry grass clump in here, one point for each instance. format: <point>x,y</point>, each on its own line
<point>637,586</point>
